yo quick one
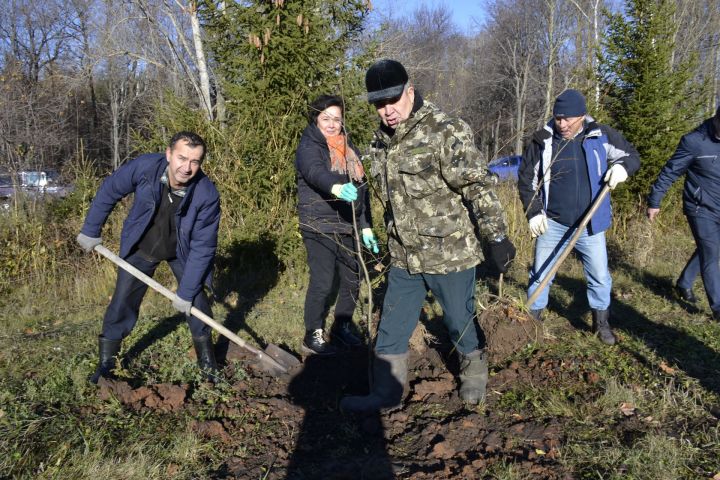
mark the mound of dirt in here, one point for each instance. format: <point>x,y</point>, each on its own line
<point>290,426</point>
<point>163,397</point>
<point>508,330</point>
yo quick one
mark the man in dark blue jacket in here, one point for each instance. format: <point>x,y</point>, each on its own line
<point>698,155</point>
<point>174,217</point>
<point>563,168</point>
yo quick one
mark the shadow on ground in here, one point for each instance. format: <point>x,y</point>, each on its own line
<point>245,273</point>
<point>330,444</point>
<point>673,345</point>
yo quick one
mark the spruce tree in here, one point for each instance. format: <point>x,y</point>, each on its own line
<point>651,97</point>
<point>275,57</point>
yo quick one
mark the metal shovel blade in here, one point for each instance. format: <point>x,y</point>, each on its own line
<point>284,358</point>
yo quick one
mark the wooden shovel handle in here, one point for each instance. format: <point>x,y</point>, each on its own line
<point>568,248</point>
<point>193,310</point>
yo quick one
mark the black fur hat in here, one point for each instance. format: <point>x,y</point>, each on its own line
<point>385,79</point>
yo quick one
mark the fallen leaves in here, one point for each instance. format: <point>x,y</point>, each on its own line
<point>627,409</point>
<point>667,369</point>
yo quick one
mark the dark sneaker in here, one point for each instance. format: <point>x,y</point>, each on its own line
<point>314,343</point>
<point>343,333</point>
<point>686,294</point>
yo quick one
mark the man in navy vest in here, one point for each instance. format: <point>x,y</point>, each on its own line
<point>174,218</point>
<point>697,156</point>
<point>564,167</point>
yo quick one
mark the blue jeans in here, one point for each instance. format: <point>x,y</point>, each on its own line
<point>690,272</point>
<point>405,296</point>
<point>593,253</point>
<point>707,237</point>
<point>122,313</point>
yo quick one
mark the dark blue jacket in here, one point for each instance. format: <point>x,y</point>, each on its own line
<point>196,220</point>
<point>698,155</point>
<point>318,209</point>
<point>603,147</point>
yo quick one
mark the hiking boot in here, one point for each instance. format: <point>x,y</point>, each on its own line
<point>386,386</point>
<point>107,353</point>
<point>342,331</point>
<point>601,326</point>
<point>206,357</point>
<point>716,315</point>
<point>314,343</point>
<point>686,294</point>
<point>473,376</point>
<point>536,314</point>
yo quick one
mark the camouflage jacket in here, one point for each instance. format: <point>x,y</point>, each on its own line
<point>434,186</point>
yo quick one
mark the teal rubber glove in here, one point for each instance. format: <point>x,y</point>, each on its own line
<point>369,240</point>
<point>347,191</point>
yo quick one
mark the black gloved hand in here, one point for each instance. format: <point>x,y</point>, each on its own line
<point>502,254</point>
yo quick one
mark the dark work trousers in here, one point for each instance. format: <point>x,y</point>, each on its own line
<point>405,296</point>
<point>122,313</point>
<point>707,238</point>
<point>325,253</point>
<point>690,272</point>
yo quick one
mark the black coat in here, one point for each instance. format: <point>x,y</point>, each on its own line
<point>318,209</point>
<point>698,156</point>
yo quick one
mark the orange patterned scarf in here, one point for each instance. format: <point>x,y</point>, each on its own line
<point>343,158</point>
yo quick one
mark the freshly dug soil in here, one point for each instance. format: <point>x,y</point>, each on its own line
<point>290,427</point>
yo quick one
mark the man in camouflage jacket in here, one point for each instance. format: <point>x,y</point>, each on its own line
<point>434,186</point>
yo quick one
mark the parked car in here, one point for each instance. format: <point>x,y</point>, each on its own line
<point>505,168</point>
<point>33,183</point>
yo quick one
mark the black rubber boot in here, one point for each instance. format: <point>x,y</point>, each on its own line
<point>686,294</point>
<point>601,326</point>
<point>107,353</point>
<point>387,386</point>
<point>206,357</point>
<point>314,343</point>
<point>536,314</point>
<point>342,331</point>
<point>473,376</point>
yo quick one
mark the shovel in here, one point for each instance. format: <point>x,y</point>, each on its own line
<point>568,248</point>
<point>273,360</point>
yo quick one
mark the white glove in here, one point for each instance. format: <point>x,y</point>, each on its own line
<point>615,174</point>
<point>88,243</point>
<point>182,305</point>
<point>538,225</point>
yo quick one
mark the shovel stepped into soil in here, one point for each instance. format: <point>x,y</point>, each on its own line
<point>273,360</point>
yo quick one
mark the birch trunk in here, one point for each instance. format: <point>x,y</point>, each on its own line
<point>201,62</point>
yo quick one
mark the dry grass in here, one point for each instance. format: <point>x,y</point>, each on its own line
<point>666,365</point>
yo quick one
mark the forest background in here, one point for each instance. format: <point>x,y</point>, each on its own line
<point>86,85</point>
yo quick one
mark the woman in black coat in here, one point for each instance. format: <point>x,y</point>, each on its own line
<point>331,183</point>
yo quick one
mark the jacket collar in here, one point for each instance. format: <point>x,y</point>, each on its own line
<point>161,171</point>
<point>421,109</point>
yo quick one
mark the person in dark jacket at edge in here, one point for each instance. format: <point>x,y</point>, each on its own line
<point>174,217</point>
<point>331,183</point>
<point>564,166</point>
<point>698,155</point>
